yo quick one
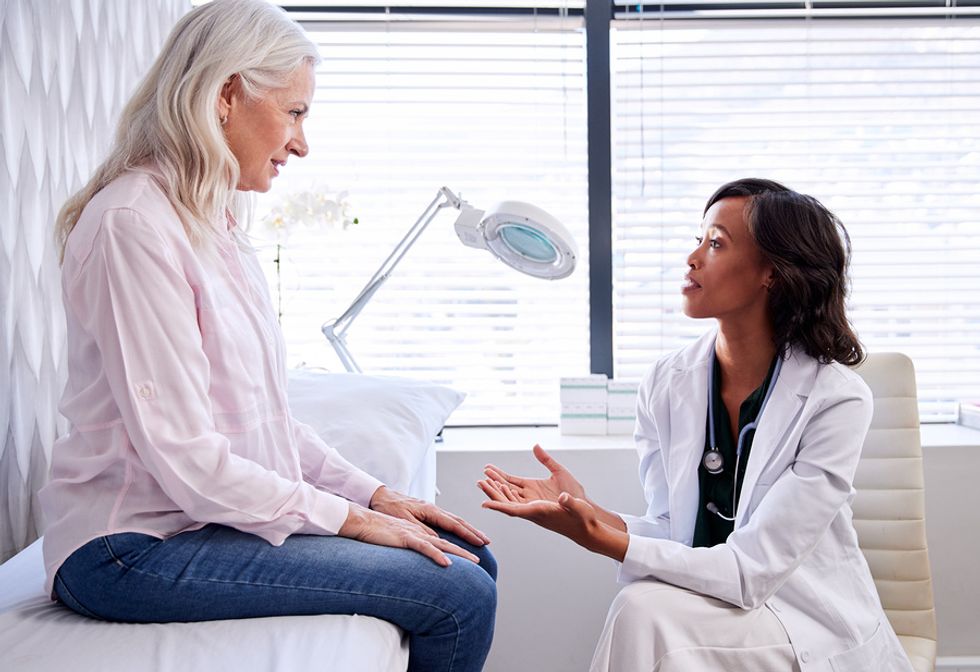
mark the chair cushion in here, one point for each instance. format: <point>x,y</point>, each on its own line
<point>889,508</point>
<point>921,651</point>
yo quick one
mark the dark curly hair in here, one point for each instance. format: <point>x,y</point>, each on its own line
<point>809,250</point>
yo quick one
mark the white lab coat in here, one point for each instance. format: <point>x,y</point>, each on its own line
<point>793,549</point>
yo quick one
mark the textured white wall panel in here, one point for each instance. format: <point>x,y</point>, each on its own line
<point>66,69</point>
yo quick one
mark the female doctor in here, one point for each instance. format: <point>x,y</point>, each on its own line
<point>746,558</point>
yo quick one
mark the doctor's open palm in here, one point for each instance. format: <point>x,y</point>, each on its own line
<point>516,488</point>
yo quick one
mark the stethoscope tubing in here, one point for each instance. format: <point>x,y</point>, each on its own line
<point>741,435</point>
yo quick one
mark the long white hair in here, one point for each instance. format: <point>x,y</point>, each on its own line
<point>172,119</point>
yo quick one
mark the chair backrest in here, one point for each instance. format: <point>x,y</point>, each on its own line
<point>889,508</point>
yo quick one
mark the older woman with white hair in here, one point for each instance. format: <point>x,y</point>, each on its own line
<point>184,490</point>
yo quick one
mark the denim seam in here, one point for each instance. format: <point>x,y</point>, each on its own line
<point>115,558</point>
<point>78,602</point>
<point>289,587</point>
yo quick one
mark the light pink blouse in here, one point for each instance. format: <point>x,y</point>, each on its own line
<point>176,393</point>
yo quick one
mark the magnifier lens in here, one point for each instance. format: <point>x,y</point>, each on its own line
<point>528,243</point>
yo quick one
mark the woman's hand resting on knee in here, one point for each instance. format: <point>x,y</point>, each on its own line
<point>374,527</point>
<point>426,514</point>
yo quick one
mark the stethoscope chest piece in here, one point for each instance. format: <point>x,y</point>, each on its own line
<point>713,461</point>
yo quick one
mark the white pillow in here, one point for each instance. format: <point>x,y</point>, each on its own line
<point>382,424</point>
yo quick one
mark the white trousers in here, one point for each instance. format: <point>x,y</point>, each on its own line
<point>656,627</point>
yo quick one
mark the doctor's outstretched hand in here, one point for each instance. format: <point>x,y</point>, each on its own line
<point>557,503</point>
<point>529,489</point>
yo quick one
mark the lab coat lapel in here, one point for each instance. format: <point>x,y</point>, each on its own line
<point>776,420</point>
<point>688,395</point>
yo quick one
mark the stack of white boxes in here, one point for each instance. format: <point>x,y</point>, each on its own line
<point>595,405</point>
<point>583,405</point>
<point>621,407</point>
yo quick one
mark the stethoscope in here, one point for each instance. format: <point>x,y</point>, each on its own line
<point>713,460</point>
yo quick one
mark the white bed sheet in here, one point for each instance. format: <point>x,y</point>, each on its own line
<point>38,635</point>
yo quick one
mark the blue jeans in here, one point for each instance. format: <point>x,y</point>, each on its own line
<point>218,572</point>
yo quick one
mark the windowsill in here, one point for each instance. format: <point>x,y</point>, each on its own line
<point>949,435</point>
<point>521,439</point>
<point>503,439</point>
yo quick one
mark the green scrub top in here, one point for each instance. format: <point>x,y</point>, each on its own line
<point>710,528</point>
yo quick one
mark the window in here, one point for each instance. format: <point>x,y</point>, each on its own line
<point>871,113</point>
<point>492,107</point>
<point>877,119</point>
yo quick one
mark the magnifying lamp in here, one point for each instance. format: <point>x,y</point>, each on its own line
<point>521,235</point>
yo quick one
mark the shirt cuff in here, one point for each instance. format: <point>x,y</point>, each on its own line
<point>361,487</point>
<point>327,515</point>
<point>355,485</point>
<point>632,522</point>
<point>633,566</point>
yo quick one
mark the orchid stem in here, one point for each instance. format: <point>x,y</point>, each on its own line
<point>278,282</point>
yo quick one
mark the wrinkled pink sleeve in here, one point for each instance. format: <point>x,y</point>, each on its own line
<point>142,315</point>
<point>327,469</point>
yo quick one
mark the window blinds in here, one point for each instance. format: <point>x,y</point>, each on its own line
<point>493,110</point>
<point>877,119</point>
<point>741,9</point>
<point>448,7</point>
<point>432,11</point>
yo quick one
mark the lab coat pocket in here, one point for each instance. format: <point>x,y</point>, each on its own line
<point>759,491</point>
<point>863,657</point>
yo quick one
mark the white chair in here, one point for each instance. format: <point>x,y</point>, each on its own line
<point>889,509</point>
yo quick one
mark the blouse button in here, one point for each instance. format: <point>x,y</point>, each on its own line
<point>144,391</point>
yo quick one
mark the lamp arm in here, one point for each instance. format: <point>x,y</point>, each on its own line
<point>335,330</point>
